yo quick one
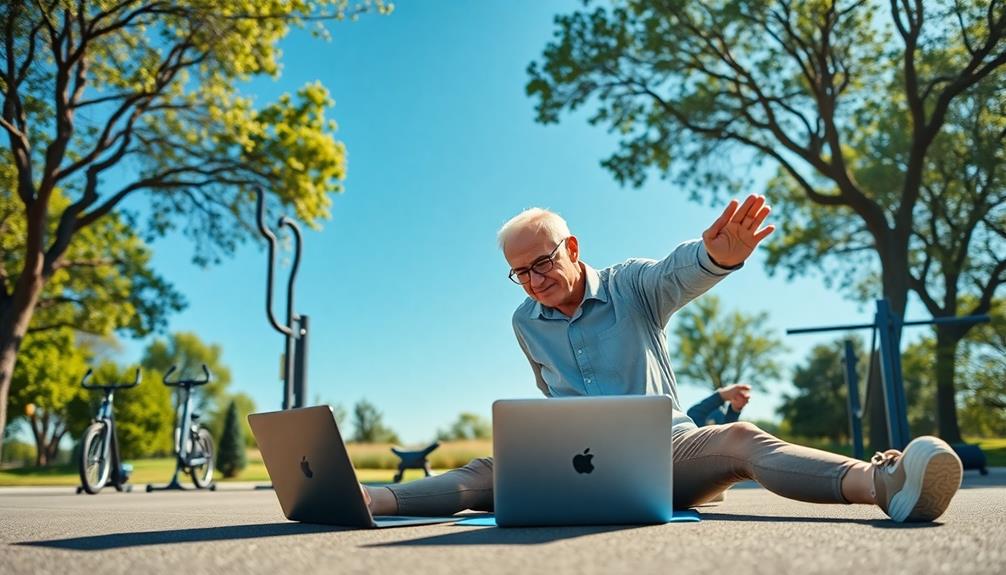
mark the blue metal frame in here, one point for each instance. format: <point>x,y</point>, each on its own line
<point>888,327</point>
<point>855,411</point>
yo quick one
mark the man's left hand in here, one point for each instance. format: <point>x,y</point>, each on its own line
<point>735,234</point>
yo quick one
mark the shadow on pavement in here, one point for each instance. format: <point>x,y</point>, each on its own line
<point>199,535</point>
<point>878,523</point>
<point>508,536</point>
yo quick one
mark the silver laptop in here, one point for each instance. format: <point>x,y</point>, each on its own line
<point>311,471</point>
<point>582,461</point>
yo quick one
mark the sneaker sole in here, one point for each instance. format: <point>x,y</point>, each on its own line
<point>940,472</point>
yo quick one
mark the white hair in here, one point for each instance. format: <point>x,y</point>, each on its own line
<point>535,218</point>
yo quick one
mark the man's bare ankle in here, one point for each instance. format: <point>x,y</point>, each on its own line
<point>382,501</point>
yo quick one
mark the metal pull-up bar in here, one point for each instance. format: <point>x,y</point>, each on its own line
<point>888,327</point>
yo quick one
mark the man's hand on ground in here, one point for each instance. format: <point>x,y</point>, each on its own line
<point>737,394</point>
<point>735,234</point>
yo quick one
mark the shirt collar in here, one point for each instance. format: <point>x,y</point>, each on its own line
<point>594,289</point>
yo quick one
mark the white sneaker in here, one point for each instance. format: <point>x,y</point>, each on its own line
<point>917,485</point>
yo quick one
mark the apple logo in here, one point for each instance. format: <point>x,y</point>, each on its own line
<point>581,462</point>
<point>306,468</point>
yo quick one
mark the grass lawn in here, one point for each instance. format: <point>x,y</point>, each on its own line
<point>374,464</point>
<point>994,448</point>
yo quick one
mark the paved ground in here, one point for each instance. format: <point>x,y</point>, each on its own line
<point>240,530</point>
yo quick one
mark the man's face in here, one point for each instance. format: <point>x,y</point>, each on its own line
<point>555,287</point>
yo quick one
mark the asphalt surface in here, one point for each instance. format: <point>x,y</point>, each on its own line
<point>241,530</point>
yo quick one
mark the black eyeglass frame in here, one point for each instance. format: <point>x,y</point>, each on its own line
<point>540,266</point>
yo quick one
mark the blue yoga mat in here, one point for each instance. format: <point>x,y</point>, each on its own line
<point>689,515</point>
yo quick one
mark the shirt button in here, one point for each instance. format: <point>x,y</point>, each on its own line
<point>587,380</point>
<point>579,351</point>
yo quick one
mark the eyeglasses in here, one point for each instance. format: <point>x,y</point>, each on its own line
<point>541,266</point>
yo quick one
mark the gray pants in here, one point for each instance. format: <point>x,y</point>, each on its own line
<point>707,461</point>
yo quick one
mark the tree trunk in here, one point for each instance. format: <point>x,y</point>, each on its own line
<point>15,315</point>
<point>947,339</point>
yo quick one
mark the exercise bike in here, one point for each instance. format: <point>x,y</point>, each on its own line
<point>99,447</point>
<point>193,443</point>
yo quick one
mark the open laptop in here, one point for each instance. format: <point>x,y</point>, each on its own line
<point>311,471</point>
<point>582,461</point>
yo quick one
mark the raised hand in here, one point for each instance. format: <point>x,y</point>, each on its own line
<point>735,234</point>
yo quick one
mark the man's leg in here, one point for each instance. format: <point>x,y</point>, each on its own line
<point>916,485</point>
<point>709,459</point>
<point>469,487</point>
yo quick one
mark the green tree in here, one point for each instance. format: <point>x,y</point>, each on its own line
<point>467,426</point>
<point>231,458</point>
<point>982,399</point>
<point>715,348</point>
<point>819,407</point>
<point>885,123</point>
<point>187,353</point>
<point>149,90</point>
<point>368,425</point>
<point>245,405</point>
<point>105,283</point>
<point>918,373</point>
<point>48,395</point>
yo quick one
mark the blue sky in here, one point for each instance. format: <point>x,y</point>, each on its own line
<point>405,287</point>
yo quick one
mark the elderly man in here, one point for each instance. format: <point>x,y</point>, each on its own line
<point>601,332</point>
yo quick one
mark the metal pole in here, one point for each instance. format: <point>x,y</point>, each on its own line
<point>300,371</point>
<point>855,413</point>
<point>293,357</point>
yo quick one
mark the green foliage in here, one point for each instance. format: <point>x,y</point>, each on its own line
<point>231,457</point>
<point>885,122</point>
<point>245,405</point>
<point>716,348</point>
<point>369,426</point>
<point>144,415</point>
<point>918,372</point>
<point>110,99</point>
<point>819,407</point>
<point>188,353</point>
<point>47,378</point>
<point>982,397</point>
<point>467,426</point>
<point>18,453</point>
<point>104,282</point>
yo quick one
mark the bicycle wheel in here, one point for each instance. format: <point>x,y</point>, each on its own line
<point>94,464</point>
<point>202,446</point>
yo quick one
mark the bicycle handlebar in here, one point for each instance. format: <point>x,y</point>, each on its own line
<point>187,382</point>
<point>136,381</point>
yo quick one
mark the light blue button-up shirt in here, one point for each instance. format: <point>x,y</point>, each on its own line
<point>615,342</point>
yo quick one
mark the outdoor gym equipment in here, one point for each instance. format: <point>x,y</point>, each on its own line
<point>193,443</point>
<point>99,447</point>
<point>295,331</point>
<point>887,325</point>
<point>413,460</point>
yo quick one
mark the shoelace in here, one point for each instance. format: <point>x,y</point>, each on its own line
<point>884,459</point>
